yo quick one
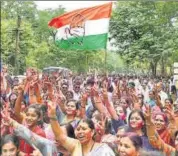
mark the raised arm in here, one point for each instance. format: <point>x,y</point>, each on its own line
<point>118,90</point>
<point>153,136</point>
<point>60,136</point>
<point>62,101</point>
<point>18,103</point>
<point>83,105</point>
<point>157,98</point>
<point>110,108</point>
<point>172,127</point>
<point>97,102</point>
<point>38,94</point>
<point>46,147</point>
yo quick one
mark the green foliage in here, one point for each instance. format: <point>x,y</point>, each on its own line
<point>36,41</point>
<point>145,31</point>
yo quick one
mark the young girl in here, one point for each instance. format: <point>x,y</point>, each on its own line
<point>30,119</point>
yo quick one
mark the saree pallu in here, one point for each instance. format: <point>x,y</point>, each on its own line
<point>166,137</point>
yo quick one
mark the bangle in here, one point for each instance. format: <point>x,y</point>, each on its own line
<point>54,118</point>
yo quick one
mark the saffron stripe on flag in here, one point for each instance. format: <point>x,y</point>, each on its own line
<point>92,13</point>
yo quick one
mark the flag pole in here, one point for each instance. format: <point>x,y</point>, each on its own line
<point>105,61</point>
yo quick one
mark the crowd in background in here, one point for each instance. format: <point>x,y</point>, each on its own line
<point>88,115</point>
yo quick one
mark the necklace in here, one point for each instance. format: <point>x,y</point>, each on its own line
<point>90,148</point>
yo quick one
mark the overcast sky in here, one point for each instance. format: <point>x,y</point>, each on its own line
<point>69,5</point>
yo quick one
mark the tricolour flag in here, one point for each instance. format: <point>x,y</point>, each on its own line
<point>85,29</point>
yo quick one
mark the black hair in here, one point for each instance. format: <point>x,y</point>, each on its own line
<point>12,104</point>
<point>176,133</point>
<point>135,139</point>
<point>125,127</point>
<point>77,103</point>
<point>9,138</point>
<point>110,89</point>
<point>173,89</point>
<point>70,130</point>
<point>89,122</point>
<point>131,84</point>
<point>90,81</point>
<point>45,118</point>
<point>143,118</point>
<point>36,107</point>
<point>70,93</point>
<point>170,99</point>
<point>44,108</point>
<point>108,126</point>
<point>126,100</point>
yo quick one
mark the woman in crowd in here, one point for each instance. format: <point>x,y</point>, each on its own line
<point>45,146</point>
<point>161,125</point>
<point>10,147</point>
<point>84,144</point>
<point>130,145</point>
<point>71,113</point>
<point>156,140</point>
<point>137,125</point>
<point>30,119</point>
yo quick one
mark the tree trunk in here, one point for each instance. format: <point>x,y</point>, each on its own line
<point>153,66</point>
<point>162,67</point>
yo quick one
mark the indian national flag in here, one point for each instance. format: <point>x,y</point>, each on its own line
<point>85,29</point>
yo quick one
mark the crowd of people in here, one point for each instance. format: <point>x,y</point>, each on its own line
<point>88,115</point>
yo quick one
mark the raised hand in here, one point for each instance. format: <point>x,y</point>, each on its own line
<point>147,113</point>
<point>84,97</point>
<point>6,120</point>
<point>21,88</point>
<point>52,107</point>
<point>105,92</point>
<point>94,91</point>
<point>169,112</point>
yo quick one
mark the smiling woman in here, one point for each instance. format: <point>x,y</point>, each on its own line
<point>84,144</point>
<point>137,125</point>
<point>161,125</point>
<point>29,119</point>
<point>130,144</point>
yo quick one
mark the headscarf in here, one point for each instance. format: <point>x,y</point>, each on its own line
<point>164,134</point>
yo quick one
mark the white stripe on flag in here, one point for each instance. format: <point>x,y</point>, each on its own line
<point>92,27</point>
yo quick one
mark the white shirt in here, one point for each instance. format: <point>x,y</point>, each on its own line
<point>76,96</point>
<point>163,97</point>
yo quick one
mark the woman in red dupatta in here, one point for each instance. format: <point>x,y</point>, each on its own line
<point>161,124</point>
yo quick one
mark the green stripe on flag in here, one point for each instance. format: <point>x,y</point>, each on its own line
<point>84,43</point>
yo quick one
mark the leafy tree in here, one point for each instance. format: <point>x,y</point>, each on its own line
<point>43,17</point>
<point>143,31</point>
<point>36,42</point>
